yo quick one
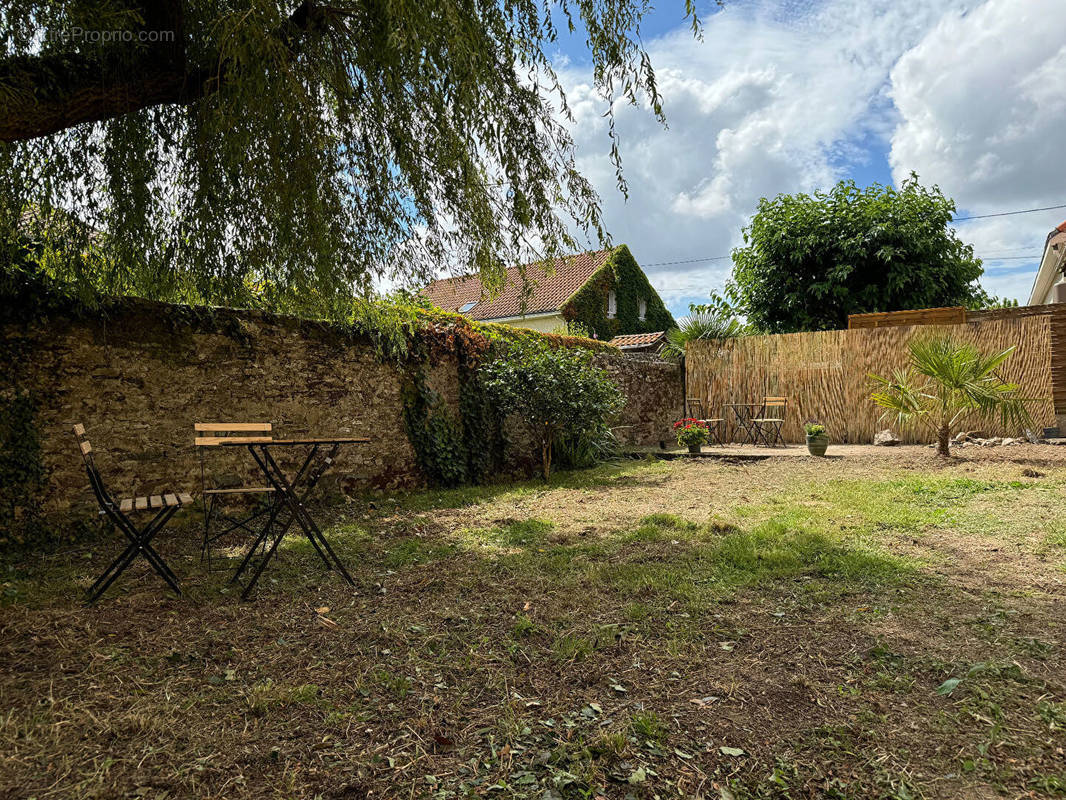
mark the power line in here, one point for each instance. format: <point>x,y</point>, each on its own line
<point>687,261</point>
<point>1031,257</point>
<point>1008,213</point>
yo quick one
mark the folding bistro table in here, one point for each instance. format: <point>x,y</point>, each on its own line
<point>744,415</point>
<point>291,494</point>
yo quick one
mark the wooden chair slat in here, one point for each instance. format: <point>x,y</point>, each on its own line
<point>171,500</point>
<point>185,498</point>
<point>155,501</point>
<point>125,506</point>
<point>140,503</point>
<point>236,427</point>
<point>79,430</point>
<point>86,448</point>
<point>215,441</point>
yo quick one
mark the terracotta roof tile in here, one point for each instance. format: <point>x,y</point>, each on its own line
<point>637,339</point>
<point>548,292</point>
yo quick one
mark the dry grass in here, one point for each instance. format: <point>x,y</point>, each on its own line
<point>681,629</point>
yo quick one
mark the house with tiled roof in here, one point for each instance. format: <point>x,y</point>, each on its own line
<point>604,292</point>
<point>1049,286</point>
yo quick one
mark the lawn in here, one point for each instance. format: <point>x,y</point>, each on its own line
<point>889,627</point>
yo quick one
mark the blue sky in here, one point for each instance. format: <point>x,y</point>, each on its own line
<point>787,96</point>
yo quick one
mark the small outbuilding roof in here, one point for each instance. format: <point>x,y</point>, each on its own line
<point>633,341</point>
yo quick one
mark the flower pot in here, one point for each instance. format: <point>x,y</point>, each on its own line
<point>817,444</point>
<point>695,448</point>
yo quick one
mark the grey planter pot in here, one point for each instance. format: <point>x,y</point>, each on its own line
<point>816,445</point>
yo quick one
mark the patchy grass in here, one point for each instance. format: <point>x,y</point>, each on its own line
<point>679,629</point>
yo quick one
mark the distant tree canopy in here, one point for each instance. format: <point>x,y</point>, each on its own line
<point>811,260</point>
<point>221,151</point>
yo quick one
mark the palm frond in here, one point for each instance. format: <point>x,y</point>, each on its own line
<point>713,325</point>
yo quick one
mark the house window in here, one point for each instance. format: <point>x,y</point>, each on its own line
<point>466,307</point>
<point>643,309</point>
<point>612,304</point>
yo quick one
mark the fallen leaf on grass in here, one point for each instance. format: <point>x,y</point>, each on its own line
<point>731,751</point>
<point>443,740</point>
<point>322,609</point>
<point>948,686</point>
<point>703,702</point>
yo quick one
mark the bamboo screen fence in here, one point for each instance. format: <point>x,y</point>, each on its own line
<point>825,374</point>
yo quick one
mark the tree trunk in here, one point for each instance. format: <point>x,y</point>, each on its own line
<point>942,441</point>
<point>546,458</point>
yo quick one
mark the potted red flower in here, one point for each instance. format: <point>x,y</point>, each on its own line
<point>691,433</point>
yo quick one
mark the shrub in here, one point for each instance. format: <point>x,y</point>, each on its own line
<point>554,391</point>
<point>586,448</point>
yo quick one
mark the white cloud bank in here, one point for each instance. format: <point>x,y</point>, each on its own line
<point>982,107</point>
<point>969,95</point>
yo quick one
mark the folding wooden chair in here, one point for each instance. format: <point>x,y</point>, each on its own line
<point>716,425</point>
<point>164,505</point>
<point>767,426</point>
<point>694,410</point>
<point>212,434</point>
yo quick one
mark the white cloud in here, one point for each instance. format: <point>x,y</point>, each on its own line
<point>982,105</point>
<point>769,102</point>
<point>787,97</point>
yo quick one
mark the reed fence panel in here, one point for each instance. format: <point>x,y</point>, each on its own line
<point>825,374</point>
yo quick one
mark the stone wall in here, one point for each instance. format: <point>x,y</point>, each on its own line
<point>655,393</point>
<point>139,377</point>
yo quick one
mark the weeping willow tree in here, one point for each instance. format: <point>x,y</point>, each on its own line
<point>283,153</point>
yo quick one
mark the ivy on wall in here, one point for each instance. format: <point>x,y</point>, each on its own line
<point>21,470</point>
<point>435,434</point>
<point>453,448</point>
<point>623,275</point>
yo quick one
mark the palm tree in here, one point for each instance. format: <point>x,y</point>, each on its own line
<point>946,382</point>
<point>705,324</point>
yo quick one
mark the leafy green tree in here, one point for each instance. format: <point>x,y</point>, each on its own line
<point>946,382</point>
<point>555,391</point>
<point>214,149</point>
<point>983,301</point>
<point>809,261</point>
